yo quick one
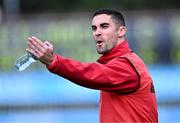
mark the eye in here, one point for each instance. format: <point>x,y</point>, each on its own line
<point>104,25</point>
<point>94,28</point>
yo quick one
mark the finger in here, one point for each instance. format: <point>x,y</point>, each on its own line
<point>41,43</point>
<point>33,52</point>
<point>43,47</point>
<point>30,45</point>
<point>34,45</point>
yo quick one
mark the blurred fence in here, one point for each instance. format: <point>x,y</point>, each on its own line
<point>35,95</point>
<point>154,35</point>
<point>69,35</point>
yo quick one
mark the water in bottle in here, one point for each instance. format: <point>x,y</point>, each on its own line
<point>24,61</point>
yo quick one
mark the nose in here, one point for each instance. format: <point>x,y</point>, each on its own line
<point>97,32</point>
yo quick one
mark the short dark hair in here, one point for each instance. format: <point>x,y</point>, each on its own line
<point>117,16</point>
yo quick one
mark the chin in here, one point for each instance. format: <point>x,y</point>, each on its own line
<point>101,52</point>
<point>98,52</point>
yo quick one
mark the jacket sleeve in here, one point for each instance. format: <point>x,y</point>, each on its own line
<point>117,75</point>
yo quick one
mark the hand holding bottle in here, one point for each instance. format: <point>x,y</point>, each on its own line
<point>42,50</point>
<point>37,50</point>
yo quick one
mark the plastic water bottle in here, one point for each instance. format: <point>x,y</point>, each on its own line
<point>24,61</point>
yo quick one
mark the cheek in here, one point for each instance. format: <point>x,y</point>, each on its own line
<point>111,37</point>
<point>108,34</point>
<point>112,40</point>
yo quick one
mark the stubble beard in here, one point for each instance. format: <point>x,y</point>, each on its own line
<point>102,50</point>
<point>105,48</point>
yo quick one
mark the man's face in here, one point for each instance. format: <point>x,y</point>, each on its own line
<point>105,33</point>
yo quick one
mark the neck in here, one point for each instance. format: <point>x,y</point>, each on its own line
<point>121,39</point>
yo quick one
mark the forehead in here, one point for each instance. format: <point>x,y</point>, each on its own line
<point>102,18</point>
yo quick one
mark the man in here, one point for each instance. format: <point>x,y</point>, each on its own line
<point>127,92</point>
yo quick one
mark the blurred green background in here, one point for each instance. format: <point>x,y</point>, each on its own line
<point>153,33</point>
<point>153,28</point>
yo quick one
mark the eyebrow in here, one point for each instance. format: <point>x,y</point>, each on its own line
<point>104,24</point>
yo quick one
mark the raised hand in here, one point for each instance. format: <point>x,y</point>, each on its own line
<point>42,50</point>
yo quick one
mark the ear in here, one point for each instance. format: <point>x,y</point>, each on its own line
<point>122,31</point>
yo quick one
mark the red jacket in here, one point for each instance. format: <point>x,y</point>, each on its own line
<point>127,93</point>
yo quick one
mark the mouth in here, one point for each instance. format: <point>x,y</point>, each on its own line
<point>99,43</point>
